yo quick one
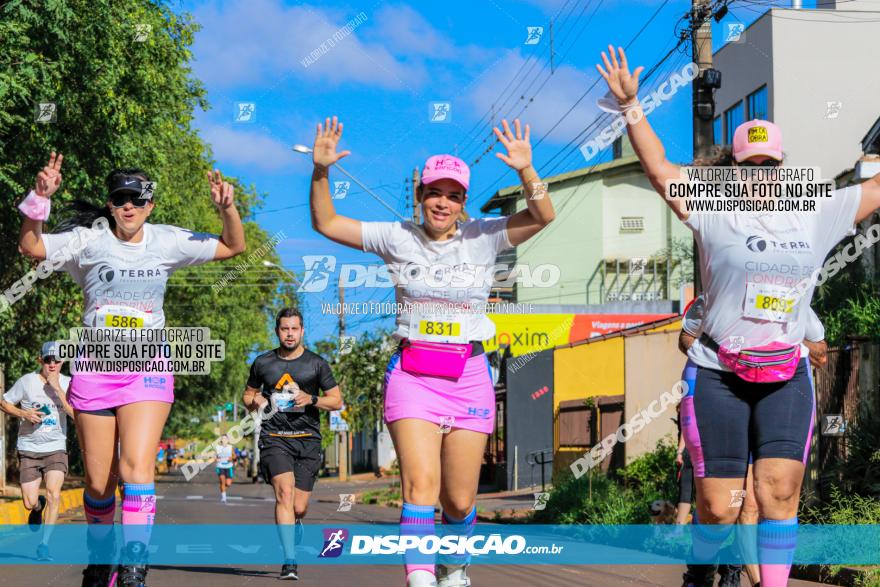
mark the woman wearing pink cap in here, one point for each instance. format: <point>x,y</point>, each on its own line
<point>752,389</point>
<point>439,397</point>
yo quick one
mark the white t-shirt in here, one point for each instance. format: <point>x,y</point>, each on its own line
<point>747,257</point>
<point>692,321</point>
<point>224,456</point>
<point>121,279</point>
<point>33,394</point>
<point>456,271</point>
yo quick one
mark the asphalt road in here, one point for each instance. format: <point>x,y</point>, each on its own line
<point>196,502</point>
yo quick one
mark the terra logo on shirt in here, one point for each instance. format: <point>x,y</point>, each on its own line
<point>759,244</point>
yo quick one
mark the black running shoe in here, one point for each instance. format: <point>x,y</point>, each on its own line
<point>730,575</point>
<point>699,576</point>
<point>132,576</point>
<point>133,571</point>
<point>98,575</point>
<point>35,518</point>
<point>289,571</point>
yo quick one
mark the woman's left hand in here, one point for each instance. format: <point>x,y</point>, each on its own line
<point>221,191</point>
<point>519,151</point>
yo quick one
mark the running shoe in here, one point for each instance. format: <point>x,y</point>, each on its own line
<point>133,573</point>
<point>730,575</point>
<point>35,518</point>
<point>132,576</point>
<point>699,576</point>
<point>452,576</point>
<point>43,553</point>
<point>289,571</point>
<point>99,576</point>
<point>421,578</point>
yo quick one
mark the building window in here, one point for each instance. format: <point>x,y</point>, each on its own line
<point>756,104</point>
<point>733,117</point>
<point>632,224</point>
<point>717,130</point>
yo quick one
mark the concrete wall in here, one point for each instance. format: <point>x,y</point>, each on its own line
<point>573,242</point>
<point>745,66</point>
<point>588,370</point>
<point>653,365</point>
<point>808,58</point>
<point>587,230</point>
<point>817,61</point>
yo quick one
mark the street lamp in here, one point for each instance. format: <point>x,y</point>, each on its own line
<point>306,150</point>
<point>292,275</point>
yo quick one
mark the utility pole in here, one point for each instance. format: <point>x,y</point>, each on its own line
<point>417,211</point>
<point>703,99</point>
<point>552,53</point>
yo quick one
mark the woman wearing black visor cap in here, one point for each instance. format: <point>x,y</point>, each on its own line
<point>123,271</point>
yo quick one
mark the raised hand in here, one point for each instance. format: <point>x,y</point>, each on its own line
<point>326,138</point>
<point>519,151</point>
<point>49,178</point>
<point>623,84</point>
<point>221,191</point>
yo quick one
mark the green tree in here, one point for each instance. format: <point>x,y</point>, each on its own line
<point>360,374</point>
<point>121,102</point>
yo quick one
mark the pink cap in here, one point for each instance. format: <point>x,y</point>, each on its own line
<point>446,167</point>
<point>757,137</point>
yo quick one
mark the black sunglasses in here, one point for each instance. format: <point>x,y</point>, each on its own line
<point>118,200</point>
<point>50,359</point>
<point>767,163</point>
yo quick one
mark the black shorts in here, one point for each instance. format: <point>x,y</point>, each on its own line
<point>301,456</point>
<point>732,420</point>
<point>686,480</point>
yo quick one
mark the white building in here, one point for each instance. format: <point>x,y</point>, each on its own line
<point>811,71</point>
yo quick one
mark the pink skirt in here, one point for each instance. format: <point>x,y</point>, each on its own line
<point>467,402</point>
<point>100,391</point>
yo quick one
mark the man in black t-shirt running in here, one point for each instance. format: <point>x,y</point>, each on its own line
<point>292,379</point>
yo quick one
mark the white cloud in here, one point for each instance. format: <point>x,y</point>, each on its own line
<point>555,98</point>
<point>260,42</point>
<point>248,148</point>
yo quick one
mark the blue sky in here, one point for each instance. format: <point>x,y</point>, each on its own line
<point>379,81</point>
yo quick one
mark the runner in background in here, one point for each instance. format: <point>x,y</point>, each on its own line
<point>289,380</point>
<point>225,466</point>
<point>42,440</point>
<point>439,396</point>
<point>122,270</point>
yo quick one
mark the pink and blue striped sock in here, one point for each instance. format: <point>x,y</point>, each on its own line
<point>464,527</point>
<point>138,512</point>
<point>777,541</point>
<point>417,520</point>
<point>100,540</point>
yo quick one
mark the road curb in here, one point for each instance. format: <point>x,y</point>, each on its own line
<point>14,513</point>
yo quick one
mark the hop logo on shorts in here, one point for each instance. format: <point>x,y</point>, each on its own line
<point>758,134</point>
<point>756,243</point>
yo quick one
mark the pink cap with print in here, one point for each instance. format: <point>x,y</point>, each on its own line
<point>446,167</point>
<point>757,137</point>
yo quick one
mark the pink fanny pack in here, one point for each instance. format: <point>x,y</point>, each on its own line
<point>770,363</point>
<point>437,359</point>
